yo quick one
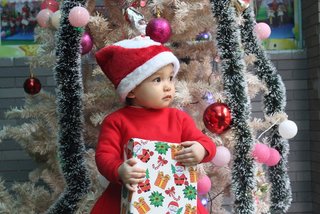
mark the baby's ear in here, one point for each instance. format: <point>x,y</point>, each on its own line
<point>131,95</point>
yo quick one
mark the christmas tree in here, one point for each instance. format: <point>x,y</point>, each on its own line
<point>223,67</point>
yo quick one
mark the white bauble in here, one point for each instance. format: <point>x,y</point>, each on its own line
<point>288,129</point>
<point>55,19</point>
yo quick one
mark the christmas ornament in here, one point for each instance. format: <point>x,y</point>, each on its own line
<point>203,185</point>
<point>32,85</point>
<point>159,30</point>
<point>261,152</point>
<point>86,43</point>
<point>136,19</point>
<point>50,4</point>
<point>208,97</point>
<point>204,36</point>
<point>222,156</point>
<point>55,19</point>
<point>288,129</point>
<point>204,201</point>
<point>274,157</point>
<point>43,17</point>
<point>217,117</point>
<point>263,30</point>
<point>241,5</point>
<point>79,16</point>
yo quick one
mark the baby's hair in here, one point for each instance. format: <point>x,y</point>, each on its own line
<point>129,101</point>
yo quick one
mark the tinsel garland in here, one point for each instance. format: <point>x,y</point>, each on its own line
<point>70,114</point>
<point>236,92</point>
<point>274,102</point>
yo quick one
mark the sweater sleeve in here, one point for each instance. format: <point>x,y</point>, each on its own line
<point>192,133</point>
<point>109,149</point>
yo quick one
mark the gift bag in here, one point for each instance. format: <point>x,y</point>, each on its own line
<point>169,187</point>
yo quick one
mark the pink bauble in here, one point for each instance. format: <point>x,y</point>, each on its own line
<point>43,17</point>
<point>204,185</point>
<point>261,152</point>
<point>263,30</point>
<point>274,157</point>
<point>52,5</point>
<point>159,30</point>
<point>222,156</point>
<point>86,43</point>
<point>79,16</point>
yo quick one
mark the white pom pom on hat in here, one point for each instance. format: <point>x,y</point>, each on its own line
<point>128,62</point>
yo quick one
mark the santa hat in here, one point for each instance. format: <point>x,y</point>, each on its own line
<point>135,143</point>
<point>180,164</point>
<point>128,62</point>
<point>173,203</point>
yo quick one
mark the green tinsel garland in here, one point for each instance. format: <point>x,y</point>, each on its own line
<point>236,91</point>
<point>70,114</point>
<point>274,102</point>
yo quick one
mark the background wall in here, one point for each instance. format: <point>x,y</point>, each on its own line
<point>311,19</point>
<point>299,70</point>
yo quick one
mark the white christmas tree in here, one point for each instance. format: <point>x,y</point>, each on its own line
<point>223,67</point>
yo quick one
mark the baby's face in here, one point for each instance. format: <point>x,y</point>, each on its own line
<point>157,91</point>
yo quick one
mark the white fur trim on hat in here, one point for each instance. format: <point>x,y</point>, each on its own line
<point>137,42</point>
<point>144,71</point>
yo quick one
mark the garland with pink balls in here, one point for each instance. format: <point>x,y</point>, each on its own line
<point>69,89</point>
<point>274,102</point>
<point>235,88</point>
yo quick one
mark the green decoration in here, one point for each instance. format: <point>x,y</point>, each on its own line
<point>156,199</point>
<point>190,192</point>
<point>162,148</point>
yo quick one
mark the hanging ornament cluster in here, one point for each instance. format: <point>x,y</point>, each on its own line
<point>217,117</point>
<point>50,15</point>
<point>32,85</point>
<point>264,154</point>
<point>262,30</point>
<point>288,129</point>
<point>48,8</point>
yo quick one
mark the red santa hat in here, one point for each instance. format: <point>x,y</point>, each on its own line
<point>135,143</point>
<point>173,203</point>
<point>180,164</point>
<point>128,62</point>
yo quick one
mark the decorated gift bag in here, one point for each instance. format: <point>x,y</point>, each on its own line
<point>169,187</point>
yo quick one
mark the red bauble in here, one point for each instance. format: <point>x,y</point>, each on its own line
<point>50,4</point>
<point>32,85</point>
<point>159,30</point>
<point>217,117</point>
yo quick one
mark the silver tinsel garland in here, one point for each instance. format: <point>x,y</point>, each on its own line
<point>235,87</point>
<point>274,102</point>
<point>69,91</point>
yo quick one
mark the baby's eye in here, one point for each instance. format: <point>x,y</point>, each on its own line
<point>171,78</point>
<point>158,79</point>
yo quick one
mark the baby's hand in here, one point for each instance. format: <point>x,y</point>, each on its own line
<point>131,174</point>
<point>192,153</point>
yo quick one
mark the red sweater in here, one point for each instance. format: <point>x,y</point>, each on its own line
<point>167,124</point>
